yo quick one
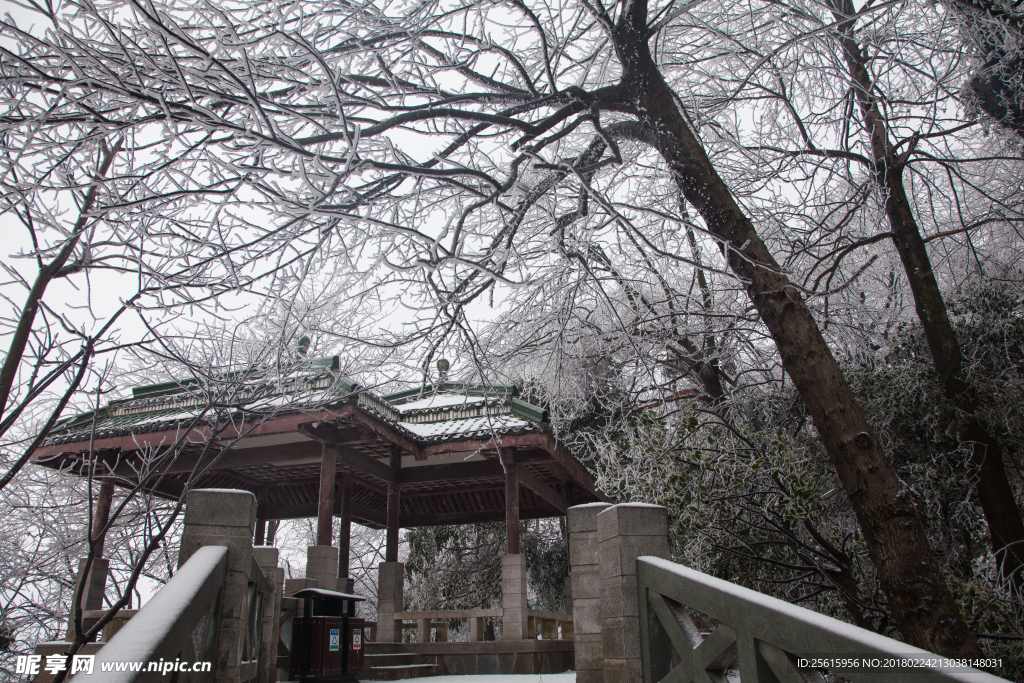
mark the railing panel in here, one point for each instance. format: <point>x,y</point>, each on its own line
<point>179,619</point>
<point>761,636</point>
<point>256,593</point>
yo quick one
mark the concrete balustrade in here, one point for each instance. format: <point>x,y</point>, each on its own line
<point>604,542</point>
<point>625,532</point>
<point>585,580</point>
<point>225,517</point>
<point>266,558</point>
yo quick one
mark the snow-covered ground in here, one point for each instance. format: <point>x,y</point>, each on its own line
<point>511,678</point>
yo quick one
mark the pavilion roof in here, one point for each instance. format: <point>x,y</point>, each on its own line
<point>429,414</point>
<point>272,428</point>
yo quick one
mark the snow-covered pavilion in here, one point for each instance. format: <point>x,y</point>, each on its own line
<point>312,443</point>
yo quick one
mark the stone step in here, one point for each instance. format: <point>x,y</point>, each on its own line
<point>390,659</point>
<point>396,673</point>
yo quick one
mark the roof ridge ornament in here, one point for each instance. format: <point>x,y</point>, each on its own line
<point>442,372</point>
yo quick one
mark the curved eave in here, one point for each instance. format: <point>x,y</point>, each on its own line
<point>57,454</point>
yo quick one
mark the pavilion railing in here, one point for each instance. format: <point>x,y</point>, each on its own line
<point>437,621</point>
<point>179,622</point>
<point>765,639</point>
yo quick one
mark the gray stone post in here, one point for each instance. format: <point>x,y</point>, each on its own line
<point>224,517</point>
<point>390,599</point>
<point>585,579</point>
<point>322,566</point>
<point>514,621</point>
<point>267,559</point>
<point>624,533</point>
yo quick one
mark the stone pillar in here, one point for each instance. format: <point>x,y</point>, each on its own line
<point>514,621</point>
<point>625,532</point>
<point>390,599</point>
<point>224,517</point>
<point>322,566</point>
<point>585,582</point>
<point>92,591</point>
<point>267,560</point>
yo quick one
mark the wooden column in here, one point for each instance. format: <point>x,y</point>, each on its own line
<point>325,515</point>
<point>394,500</point>
<point>511,501</point>
<point>102,514</point>
<point>345,532</point>
<point>271,531</point>
<point>261,522</point>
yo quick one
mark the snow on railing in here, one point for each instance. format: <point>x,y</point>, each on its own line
<point>765,639</point>
<point>178,622</point>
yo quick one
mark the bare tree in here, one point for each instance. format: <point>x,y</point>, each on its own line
<point>906,123</point>
<point>455,152</point>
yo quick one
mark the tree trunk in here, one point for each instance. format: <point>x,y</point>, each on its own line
<point>921,603</point>
<point>1006,528</point>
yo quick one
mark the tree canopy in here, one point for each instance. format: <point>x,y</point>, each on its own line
<point>665,219</point>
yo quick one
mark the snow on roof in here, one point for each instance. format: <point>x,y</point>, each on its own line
<point>440,401</point>
<point>448,411</point>
<point>468,428</point>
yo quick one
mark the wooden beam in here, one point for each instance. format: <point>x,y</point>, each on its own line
<point>329,433</point>
<point>377,518</point>
<point>542,440</point>
<point>475,469</point>
<point>453,471</point>
<point>384,430</point>
<point>534,483</point>
<point>283,424</point>
<point>359,513</point>
<point>449,491</point>
<point>365,463</point>
<point>284,454</point>
<point>359,481</point>
<point>574,468</point>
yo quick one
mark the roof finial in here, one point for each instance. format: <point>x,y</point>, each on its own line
<point>303,347</point>
<point>442,369</point>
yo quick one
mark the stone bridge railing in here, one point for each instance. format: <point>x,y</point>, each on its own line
<point>219,611</point>
<point>767,640</point>
<point>637,614</point>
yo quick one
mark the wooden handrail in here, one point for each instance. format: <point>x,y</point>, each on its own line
<point>449,614</point>
<point>552,616</point>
